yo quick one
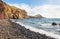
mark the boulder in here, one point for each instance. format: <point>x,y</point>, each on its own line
<point>54,23</point>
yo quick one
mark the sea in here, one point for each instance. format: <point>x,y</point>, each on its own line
<point>41,25</point>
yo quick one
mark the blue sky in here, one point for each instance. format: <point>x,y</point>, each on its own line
<point>47,8</point>
<point>33,2</point>
<point>30,2</point>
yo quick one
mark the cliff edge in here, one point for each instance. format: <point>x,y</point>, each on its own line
<point>7,11</point>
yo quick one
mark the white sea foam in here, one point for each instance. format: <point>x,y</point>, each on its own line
<point>40,30</point>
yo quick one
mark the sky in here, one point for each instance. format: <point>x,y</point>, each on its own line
<point>47,8</point>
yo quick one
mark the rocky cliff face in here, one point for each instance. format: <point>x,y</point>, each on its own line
<point>7,11</point>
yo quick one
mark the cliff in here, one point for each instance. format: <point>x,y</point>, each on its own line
<point>11,12</point>
<point>36,16</point>
<point>7,11</point>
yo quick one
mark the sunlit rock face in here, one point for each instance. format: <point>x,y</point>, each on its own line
<point>7,11</point>
<point>2,14</point>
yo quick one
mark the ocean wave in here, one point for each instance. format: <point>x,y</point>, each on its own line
<point>40,31</point>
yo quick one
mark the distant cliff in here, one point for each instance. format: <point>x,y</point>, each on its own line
<point>7,11</point>
<point>36,16</point>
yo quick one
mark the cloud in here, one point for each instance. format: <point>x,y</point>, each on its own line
<point>24,6</point>
<point>54,2</point>
<point>47,10</point>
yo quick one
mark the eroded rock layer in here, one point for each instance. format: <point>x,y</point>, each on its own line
<point>7,11</point>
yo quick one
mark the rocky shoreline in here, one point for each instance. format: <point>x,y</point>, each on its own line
<point>11,30</point>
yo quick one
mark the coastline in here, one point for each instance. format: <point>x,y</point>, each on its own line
<point>50,34</point>
<point>42,36</point>
<point>11,30</point>
<point>18,30</point>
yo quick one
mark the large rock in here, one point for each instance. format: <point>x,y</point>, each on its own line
<point>54,23</point>
<point>7,11</point>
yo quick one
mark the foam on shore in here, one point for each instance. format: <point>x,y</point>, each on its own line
<point>40,31</point>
